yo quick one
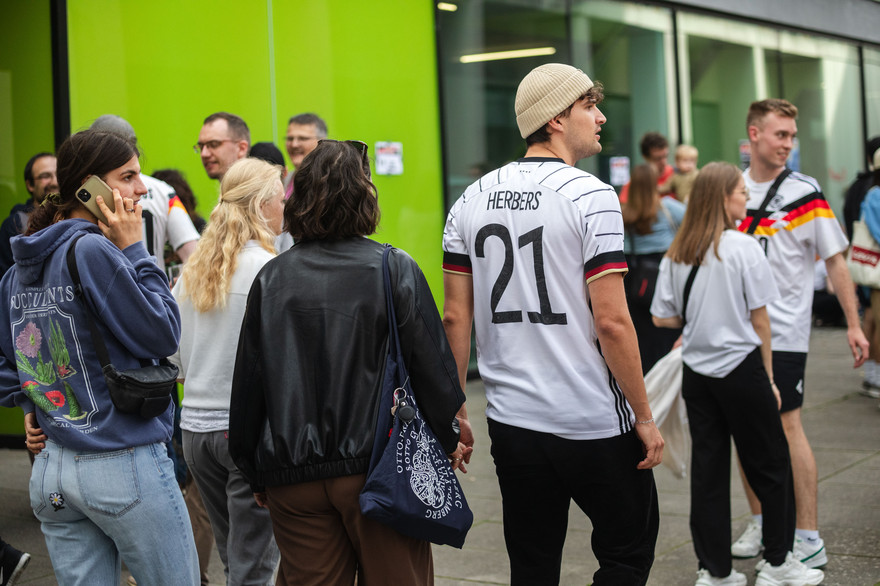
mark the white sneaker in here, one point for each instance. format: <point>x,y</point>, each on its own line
<point>749,543</point>
<point>870,390</point>
<point>704,578</point>
<point>812,556</point>
<point>791,573</point>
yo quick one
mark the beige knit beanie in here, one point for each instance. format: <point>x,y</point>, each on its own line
<point>545,92</point>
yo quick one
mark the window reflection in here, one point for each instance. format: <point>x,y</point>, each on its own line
<point>723,65</point>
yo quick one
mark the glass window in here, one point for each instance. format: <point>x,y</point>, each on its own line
<point>872,89</point>
<point>728,64</point>
<point>821,77</point>
<point>479,86</point>
<point>625,46</point>
<point>724,65</point>
<point>628,48</point>
<point>720,76</point>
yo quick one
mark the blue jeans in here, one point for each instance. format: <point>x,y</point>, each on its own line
<point>99,508</point>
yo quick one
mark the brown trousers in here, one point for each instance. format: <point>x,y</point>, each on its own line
<point>198,518</point>
<point>325,540</point>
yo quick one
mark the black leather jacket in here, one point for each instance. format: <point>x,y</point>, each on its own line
<point>310,362</point>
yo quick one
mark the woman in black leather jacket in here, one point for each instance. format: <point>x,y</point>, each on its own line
<point>308,377</point>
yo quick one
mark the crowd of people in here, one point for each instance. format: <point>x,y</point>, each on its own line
<point>276,328</point>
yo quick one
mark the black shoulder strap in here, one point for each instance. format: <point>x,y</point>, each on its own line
<point>394,337</point>
<point>97,338</point>
<point>687,293</point>
<point>771,193</point>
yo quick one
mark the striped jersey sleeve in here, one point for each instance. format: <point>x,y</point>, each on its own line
<point>455,251</point>
<point>599,210</point>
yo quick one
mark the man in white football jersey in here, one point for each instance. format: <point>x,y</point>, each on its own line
<point>533,256</point>
<point>165,219</point>
<point>790,217</point>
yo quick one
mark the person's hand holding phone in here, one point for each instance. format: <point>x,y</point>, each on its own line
<point>123,226</point>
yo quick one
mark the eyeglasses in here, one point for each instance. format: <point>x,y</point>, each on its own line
<point>211,144</point>
<point>359,146</point>
<point>292,139</point>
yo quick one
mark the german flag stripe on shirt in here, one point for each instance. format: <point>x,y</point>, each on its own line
<point>799,213</point>
<point>457,263</point>
<point>175,202</point>
<point>607,262</point>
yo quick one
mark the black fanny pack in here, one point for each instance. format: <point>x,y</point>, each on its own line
<point>145,391</point>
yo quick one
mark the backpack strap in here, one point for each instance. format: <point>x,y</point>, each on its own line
<point>97,338</point>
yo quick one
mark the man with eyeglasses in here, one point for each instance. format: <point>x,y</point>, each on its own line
<point>40,180</point>
<point>303,133</point>
<point>224,139</point>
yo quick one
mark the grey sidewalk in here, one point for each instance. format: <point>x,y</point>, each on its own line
<point>843,427</point>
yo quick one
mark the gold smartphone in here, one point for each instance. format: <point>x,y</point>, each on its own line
<point>92,188</point>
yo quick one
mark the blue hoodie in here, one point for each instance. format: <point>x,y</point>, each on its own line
<point>48,363</point>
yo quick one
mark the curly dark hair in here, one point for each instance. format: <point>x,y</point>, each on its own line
<point>89,152</point>
<point>333,197</point>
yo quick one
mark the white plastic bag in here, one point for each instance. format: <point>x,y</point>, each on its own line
<point>663,383</point>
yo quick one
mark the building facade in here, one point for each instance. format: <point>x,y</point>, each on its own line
<point>687,69</point>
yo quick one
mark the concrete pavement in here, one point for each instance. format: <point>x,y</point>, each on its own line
<point>843,427</point>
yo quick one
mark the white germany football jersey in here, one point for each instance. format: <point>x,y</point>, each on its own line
<point>796,226</point>
<point>165,218</point>
<point>718,333</point>
<point>533,234</point>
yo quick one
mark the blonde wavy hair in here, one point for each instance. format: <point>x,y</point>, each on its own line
<point>236,219</point>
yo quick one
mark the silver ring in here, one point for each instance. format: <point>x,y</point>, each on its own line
<point>130,211</point>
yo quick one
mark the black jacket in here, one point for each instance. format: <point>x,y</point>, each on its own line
<point>14,225</point>
<point>310,362</point>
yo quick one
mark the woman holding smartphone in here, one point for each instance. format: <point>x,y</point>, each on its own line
<point>102,484</point>
<point>717,282</point>
<point>212,293</point>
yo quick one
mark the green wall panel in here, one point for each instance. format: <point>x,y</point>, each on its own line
<point>368,69</point>
<point>26,123</point>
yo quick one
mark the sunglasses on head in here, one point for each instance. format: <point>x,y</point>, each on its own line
<point>359,146</point>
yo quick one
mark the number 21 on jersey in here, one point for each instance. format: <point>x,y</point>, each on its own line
<point>545,316</point>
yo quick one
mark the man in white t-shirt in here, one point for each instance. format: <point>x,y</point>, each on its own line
<point>533,256</point>
<point>789,216</point>
<point>165,219</point>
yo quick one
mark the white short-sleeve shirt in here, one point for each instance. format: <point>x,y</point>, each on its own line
<point>533,234</point>
<point>165,219</point>
<point>718,332</point>
<point>797,226</point>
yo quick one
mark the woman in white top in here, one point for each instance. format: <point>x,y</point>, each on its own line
<point>212,294</point>
<point>727,381</point>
